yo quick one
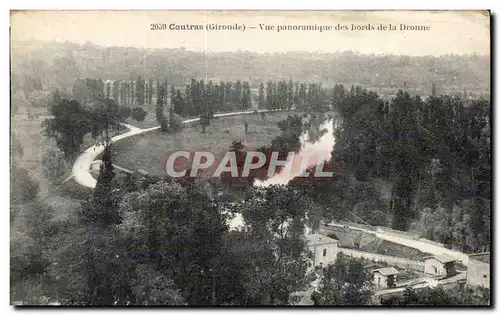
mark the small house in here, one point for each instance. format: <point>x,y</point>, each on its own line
<point>440,266</point>
<point>384,278</point>
<point>324,249</point>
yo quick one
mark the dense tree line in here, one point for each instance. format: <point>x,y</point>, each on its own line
<point>432,156</point>
<point>200,99</point>
<point>124,92</point>
<point>61,63</point>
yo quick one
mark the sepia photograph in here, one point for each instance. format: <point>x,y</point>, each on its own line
<point>241,158</point>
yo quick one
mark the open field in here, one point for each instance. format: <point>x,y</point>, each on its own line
<point>147,151</point>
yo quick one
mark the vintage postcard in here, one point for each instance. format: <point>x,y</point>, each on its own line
<point>249,158</point>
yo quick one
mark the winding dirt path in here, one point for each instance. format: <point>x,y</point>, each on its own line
<point>81,168</point>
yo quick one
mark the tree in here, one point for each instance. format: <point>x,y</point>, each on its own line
<point>246,96</point>
<point>160,116</point>
<point>139,114</point>
<point>282,95</point>
<point>102,209</point>
<point>124,112</point>
<point>140,91</point>
<point>175,100</point>
<point>204,121</point>
<point>290,94</point>
<point>116,91</point>
<point>211,98</point>
<point>181,230</point>
<point>237,93</point>
<point>105,114</point>
<point>270,96</point>
<point>87,90</point>
<point>302,95</point>
<point>68,125</point>
<point>150,91</point>
<point>179,104</point>
<point>152,288</point>
<point>175,121</point>
<point>92,268</point>
<point>30,253</point>
<point>346,282</point>
<point>262,100</point>
<point>124,87</point>
<point>274,218</point>
<point>229,96</point>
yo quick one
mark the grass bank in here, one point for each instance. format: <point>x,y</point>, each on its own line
<point>147,151</point>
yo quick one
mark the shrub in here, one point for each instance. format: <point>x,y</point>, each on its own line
<point>139,114</point>
<point>175,122</point>
<point>124,112</point>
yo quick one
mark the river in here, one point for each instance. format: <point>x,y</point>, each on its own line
<point>316,143</point>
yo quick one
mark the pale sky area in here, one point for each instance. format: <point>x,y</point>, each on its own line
<point>457,32</point>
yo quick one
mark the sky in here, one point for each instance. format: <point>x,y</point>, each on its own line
<point>457,32</point>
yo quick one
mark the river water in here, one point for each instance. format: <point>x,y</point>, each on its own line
<point>316,143</point>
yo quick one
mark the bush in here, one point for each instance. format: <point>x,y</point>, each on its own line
<point>175,122</point>
<point>124,112</point>
<point>139,114</point>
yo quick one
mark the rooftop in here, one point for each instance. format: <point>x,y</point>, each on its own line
<point>482,257</point>
<point>387,271</point>
<point>443,258</point>
<point>315,239</point>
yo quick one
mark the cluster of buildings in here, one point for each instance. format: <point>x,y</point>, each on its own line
<point>444,270</point>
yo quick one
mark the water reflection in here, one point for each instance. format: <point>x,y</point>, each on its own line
<point>316,144</point>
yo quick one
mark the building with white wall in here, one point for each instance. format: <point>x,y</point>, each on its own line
<point>440,266</point>
<point>384,278</point>
<point>478,272</point>
<point>324,249</point>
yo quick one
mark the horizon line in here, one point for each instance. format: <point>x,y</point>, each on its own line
<point>183,49</point>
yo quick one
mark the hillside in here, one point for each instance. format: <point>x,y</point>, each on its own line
<point>59,64</point>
